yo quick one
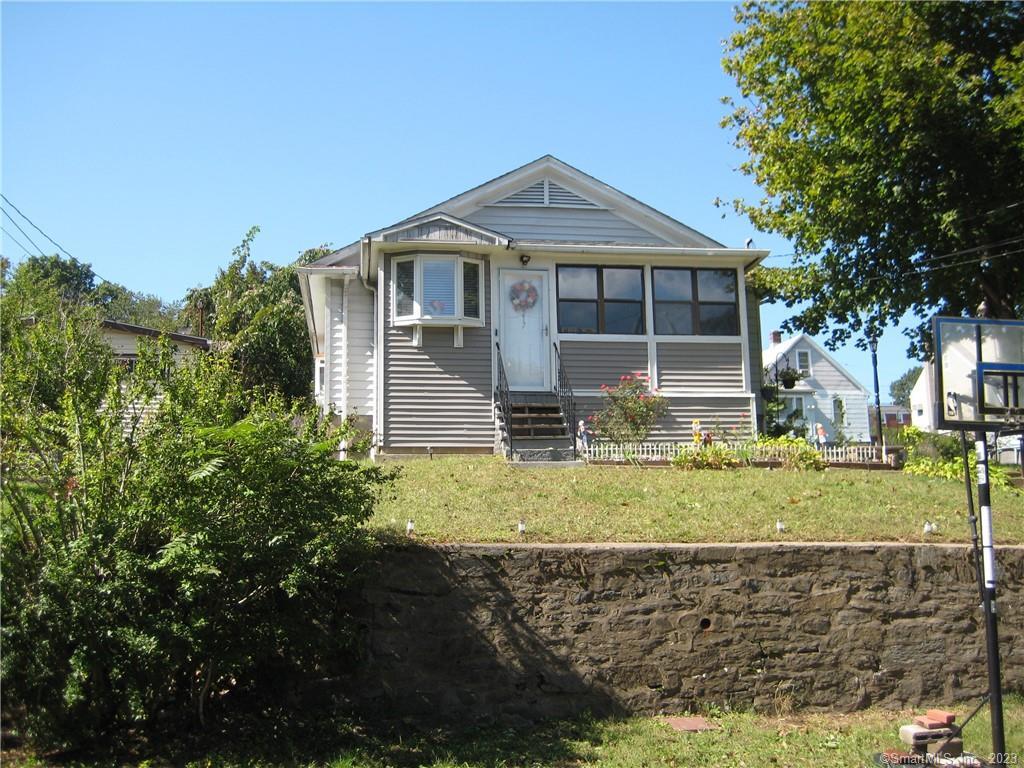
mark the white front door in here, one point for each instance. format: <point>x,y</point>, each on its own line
<point>523,318</point>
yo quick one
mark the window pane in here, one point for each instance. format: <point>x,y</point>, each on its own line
<point>673,318</point>
<point>673,284</point>
<point>471,289</point>
<point>577,316</point>
<point>405,275</point>
<point>438,288</point>
<point>718,320</point>
<point>803,361</point>
<point>623,284</point>
<point>623,317</point>
<point>577,283</point>
<point>716,285</point>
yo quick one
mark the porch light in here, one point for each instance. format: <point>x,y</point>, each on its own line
<point>524,259</point>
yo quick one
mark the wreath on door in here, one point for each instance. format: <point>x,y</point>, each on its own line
<point>523,295</point>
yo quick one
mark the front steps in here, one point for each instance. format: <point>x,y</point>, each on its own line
<point>539,431</point>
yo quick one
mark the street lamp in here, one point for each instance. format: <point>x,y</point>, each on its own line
<point>873,344</point>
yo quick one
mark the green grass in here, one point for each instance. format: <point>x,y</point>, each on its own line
<point>743,739</point>
<point>480,499</point>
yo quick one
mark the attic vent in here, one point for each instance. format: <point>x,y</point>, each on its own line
<point>561,196</point>
<point>546,193</point>
<point>532,195</point>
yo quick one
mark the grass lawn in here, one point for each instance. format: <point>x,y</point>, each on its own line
<point>743,739</point>
<point>480,499</point>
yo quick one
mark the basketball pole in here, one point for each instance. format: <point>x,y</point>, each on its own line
<point>989,599</point>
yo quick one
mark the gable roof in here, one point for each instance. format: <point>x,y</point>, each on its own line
<point>775,351</point>
<point>572,189</point>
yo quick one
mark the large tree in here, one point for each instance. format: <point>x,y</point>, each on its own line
<point>888,139</point>
<point>255,309</point>
<point>39,284</point>
<point>900,389</point>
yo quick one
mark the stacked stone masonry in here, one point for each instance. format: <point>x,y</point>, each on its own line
<point>523,632</point>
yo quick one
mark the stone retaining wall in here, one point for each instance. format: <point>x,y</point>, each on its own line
<point>521,632</point>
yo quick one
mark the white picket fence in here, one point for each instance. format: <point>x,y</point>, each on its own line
<point>666,451</point>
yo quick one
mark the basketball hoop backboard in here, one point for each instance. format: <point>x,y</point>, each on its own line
<point>979,373</point>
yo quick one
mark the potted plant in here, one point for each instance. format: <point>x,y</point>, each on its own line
<point>789,377</point>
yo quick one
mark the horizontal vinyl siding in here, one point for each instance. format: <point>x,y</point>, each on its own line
<point>590,364</point>
<point>697,366</point>
<point>336,354</point>
<point>726,417</point>
<point>569,224</point>
<point>437,395</point>
<point>818,410</point>
<point>360,349</point>
<point>824,375</point>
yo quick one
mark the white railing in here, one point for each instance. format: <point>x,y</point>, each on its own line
<point>666,451</point>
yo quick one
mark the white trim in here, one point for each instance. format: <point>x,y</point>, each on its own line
<point>810,370</point>
<point>652,342</point>
<point>676,394</point>
<point>741,307</point>
<point>418,317</point>
<point>639,338</point>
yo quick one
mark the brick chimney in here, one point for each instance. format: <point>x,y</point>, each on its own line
<point>776,337</point>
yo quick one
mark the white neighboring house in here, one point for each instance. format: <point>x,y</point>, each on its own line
<point>922,400</point>
<point>828,394</point>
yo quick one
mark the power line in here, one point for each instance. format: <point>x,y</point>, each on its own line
<point>15,223</point>
<point>26,218</point>
<point>1006,207</point>
<point>26,250</point>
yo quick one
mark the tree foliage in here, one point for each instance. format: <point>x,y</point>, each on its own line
<point>39,284</point>
<point>161,570</point>
<point>889,141</point>
<point>899,390</point>
<point>256,310</point>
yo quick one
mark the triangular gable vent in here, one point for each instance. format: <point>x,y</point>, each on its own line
<point>545,193</point>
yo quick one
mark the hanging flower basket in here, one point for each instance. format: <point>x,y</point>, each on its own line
<point>788,377</point>
<point>523,295</point>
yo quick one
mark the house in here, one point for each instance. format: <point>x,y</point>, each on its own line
<point>123,339</point>
<point>827,394</point>
<point>499,313</point>
<point>894,417</point>
<point>922,400</point>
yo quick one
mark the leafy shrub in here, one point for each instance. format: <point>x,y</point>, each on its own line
<point>793,452</point>
<point>158,570</point>
<point>941,456</point>
<point>630,410</point>
<point>707,457</point>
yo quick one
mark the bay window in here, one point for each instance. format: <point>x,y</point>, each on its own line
<point>601,300</point>
<point>695,302</point>
<point>437,289</point>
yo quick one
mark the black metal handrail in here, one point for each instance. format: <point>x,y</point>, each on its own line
<point>566,399</point>
<point>504,398</point>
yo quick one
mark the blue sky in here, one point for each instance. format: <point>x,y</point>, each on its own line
<point>146,138</point>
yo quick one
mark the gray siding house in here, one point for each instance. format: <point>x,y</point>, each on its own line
<point>500,313</point>
<point>828,395</point>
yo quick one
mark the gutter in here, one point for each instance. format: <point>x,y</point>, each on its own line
<point>649,250</point>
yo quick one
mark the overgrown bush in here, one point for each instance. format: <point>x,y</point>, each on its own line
<point>159,570</point>
<point>630,410</point>
<point>712,456</point>
<point>792,452</point>
<point>941,456</point>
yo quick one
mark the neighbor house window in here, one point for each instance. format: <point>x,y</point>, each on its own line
<point>601,300</point>
<point>437,288</point>
<point>838,412</point>
<point>689,302</point>
<point>803,361</point>
<point>792,405</point>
